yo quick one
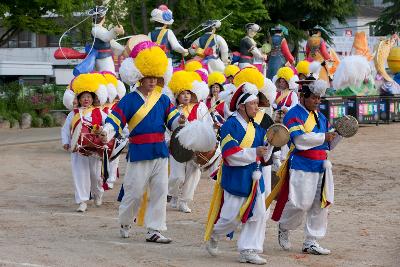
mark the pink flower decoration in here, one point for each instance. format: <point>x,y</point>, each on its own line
<point>163,7</point>
<point>203,75</point>
<point>141,46</point>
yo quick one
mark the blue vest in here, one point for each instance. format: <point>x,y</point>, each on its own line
<point>293,120</point>
<point>164,41</point>
<point>101,45</point>
<point>237,180</point>
<point>153,123</point>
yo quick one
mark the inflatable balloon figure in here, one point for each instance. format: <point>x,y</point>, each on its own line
<point>316,51</point>
<point>388,52</point>
<point>280,53</point>
<point>98,54</point>
<point>211,48</point>
<point>249,53</point>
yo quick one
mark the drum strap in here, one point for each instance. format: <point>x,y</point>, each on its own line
<point>259,116</point>
<point>144,110</point>
<point>282,96</point>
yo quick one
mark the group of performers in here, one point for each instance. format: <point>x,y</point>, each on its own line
<point>238,103</point>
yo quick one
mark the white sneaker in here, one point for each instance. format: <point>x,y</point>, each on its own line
<point>312,247</point>
<point>174,202</point>
<point>82,207</point>
<point>124,231</point>
<point>212,246</point>
<point>250,256</point>
<point>283,238</point>
<point>157,237</point>
<point>98,200</point>
<point>184,207</point>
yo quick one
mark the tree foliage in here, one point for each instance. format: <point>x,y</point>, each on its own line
<point>35,16</point>
<point>389,20</point>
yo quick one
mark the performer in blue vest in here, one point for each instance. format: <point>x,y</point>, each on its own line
<point>239,196</point>
<point>308,181</point>
<point>163,36</point>
<point>147,112</point>
<point>280,53</point>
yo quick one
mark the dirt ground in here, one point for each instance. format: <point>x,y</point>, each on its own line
<point>39,227</point>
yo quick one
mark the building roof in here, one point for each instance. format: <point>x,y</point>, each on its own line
<point>368,11</point>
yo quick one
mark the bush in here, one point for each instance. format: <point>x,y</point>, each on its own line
<point>37,122</point>
<point>48,120</point>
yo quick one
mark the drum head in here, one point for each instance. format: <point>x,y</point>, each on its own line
<point>134,40</point>
<point>119,146</point>
<point>278,135</point>
<point>346,126</point>
<point>179,153</point>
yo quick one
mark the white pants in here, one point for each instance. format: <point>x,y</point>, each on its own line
<point>86,172</point>
<point>113,171</point>
<point>105,64</point>
<point>140,175</point>
<point>252,234</point>
<point>305,199</point>
<point>183,177</point>
<point>215,64</point>
<point>266,172</point>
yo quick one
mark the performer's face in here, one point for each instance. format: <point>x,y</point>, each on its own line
<point>75,103</point>
<point>184,98</point>
<point>215,89</point>
<point>85,100</point>
<point>148,83</point>
<point>251,108</point>
<point>96,101</point>
<point>282,84</point>
<point>229,79</point>
<point>312,102</point>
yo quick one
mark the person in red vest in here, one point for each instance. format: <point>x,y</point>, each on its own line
<point>215,83</point>
<point>184,177</point>
<point>85,169</point>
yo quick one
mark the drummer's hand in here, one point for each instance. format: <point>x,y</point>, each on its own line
<point>330,136</point>
<point>261,150</point>
<point>265,57</point>
<point>66,147</point>
<point>185,52</point>
<point>103,137</point>
<point>98,130</point>
<point>182,119</point>
<point>119,30</point>
<point>284,110</point>
<point>217,125</point>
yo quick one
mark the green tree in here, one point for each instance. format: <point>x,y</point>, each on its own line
<point>389,20</point>
<point>36,16</point>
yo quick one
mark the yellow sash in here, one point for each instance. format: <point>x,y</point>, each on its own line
<point>144,109</point>
<point>259,116</point>
<point>282,96</point>
<point>161,35</point>
<point>215,204</point>
<point>283,170</point>
<point>209,40</point>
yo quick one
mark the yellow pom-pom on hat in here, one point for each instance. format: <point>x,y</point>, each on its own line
<point>181,81</point>
<point>152,62</point>
<point>92,83</point>
<point>303,67</point>
<point>250,75</point>
<point>231,70</point>
<point>285,73</point>
<point>193,65</point>
<point>216,77</point>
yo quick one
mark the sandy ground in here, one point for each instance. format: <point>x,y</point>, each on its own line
<point>39,227</point>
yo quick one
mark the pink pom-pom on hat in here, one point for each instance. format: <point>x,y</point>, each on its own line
<point>141,46</point>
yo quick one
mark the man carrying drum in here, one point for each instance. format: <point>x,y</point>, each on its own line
<point>307,176</point>
<point>147,112</point>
